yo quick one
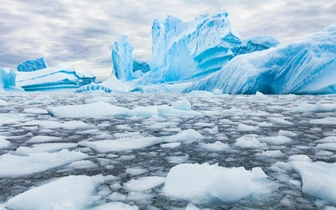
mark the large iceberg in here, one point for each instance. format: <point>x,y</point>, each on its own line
<point>189,50</point>
<point>304,66</point>
<point>59,77</point>
<point>140,65</point>
<point>256,43</point>
<point>122,58</point>
<point>32,65</point>
<point>7,78</point>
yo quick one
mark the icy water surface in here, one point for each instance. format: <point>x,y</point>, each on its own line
<point>248,131</point>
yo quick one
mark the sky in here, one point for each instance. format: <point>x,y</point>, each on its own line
<point>82,32</point>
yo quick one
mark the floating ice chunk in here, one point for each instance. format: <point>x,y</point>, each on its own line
<point>177,159</point>
<point>3,103</point>
<point>243,127</point>
<point>44,124</point>
<point>287,133</point>
<point>280,121</point>
<point>41,139</point>
<point>99,109</point>
<point>136,171</point>
<point>72,192</point>
<point>318,107</point>
<point>72,125</point>
<point>212,130</point>
<point>115,196</point>
<point>215,147</point>
<point>121,144</point>
<point>276,140</point>
<point>23,165</point>
<point>171,145</point>
<point>182,105</point>
<point>144,183</point>
<point>327,146</point>
<point>265,124</point>
<point>48,147</point>
<point>4,143</point>
<point>271,153</point>
<point>187,136</point>
<point>35,111</point>
<point>7,78</point>
<point>194,181</point>
<point>82,164</point>
<point>139,196</point>
<point>109,99</point>
<point>303,158</point>
<point>249,142</point>
<point>161,125</point>
<point>318,179</point>
<point>324,121</point>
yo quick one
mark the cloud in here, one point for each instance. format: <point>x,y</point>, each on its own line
<point>83,32</point>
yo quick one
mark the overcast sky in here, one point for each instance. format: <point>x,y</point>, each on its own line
<point>82,32</point>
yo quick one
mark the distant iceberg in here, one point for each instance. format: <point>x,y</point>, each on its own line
<point>59,77</point>
<point>7,78</point>
<point>32,65</point>
<point>304,66</point>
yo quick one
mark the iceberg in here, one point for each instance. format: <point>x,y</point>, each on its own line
<point>122,59</point>
<point>189,50</point>
<point>59,77</point>
<point>7,78</point>
<point>32,65</point>
<point>256,43</point>
<point>140,65</point>
<point>304,66</point>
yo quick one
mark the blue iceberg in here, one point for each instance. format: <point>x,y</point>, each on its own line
<point>32,65</point>
<point>304,66</point>
<point>189,50</point>
<point>256,43</point>
<point>7,78</point>
<point>122,59</point>
<point>59,77</point>
<point>140,65</point>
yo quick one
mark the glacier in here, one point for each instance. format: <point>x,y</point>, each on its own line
<point>304,66</point>
<point>33,65</point>
<point>256,43</point>
<point>122,59</point>
<point>52,78</point>
<point>7,78</point>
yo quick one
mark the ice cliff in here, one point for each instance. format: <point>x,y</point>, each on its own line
<point>256,43</point>
<point>122,59</point>
<point>32,65</point>
<point>187,50</point>
<point>304,66</point>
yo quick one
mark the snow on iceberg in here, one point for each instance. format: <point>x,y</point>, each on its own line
<point>122,59</point>
<point>7,78</point>
<point>59,77</point>
<point>256,43</point>
<point>72,192</point>
<point>32,65</point>
<point>304,66</point>
<point>184,50</point>
<point>203,182</point>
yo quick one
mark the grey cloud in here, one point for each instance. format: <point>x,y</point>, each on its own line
<point>84,31</point>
